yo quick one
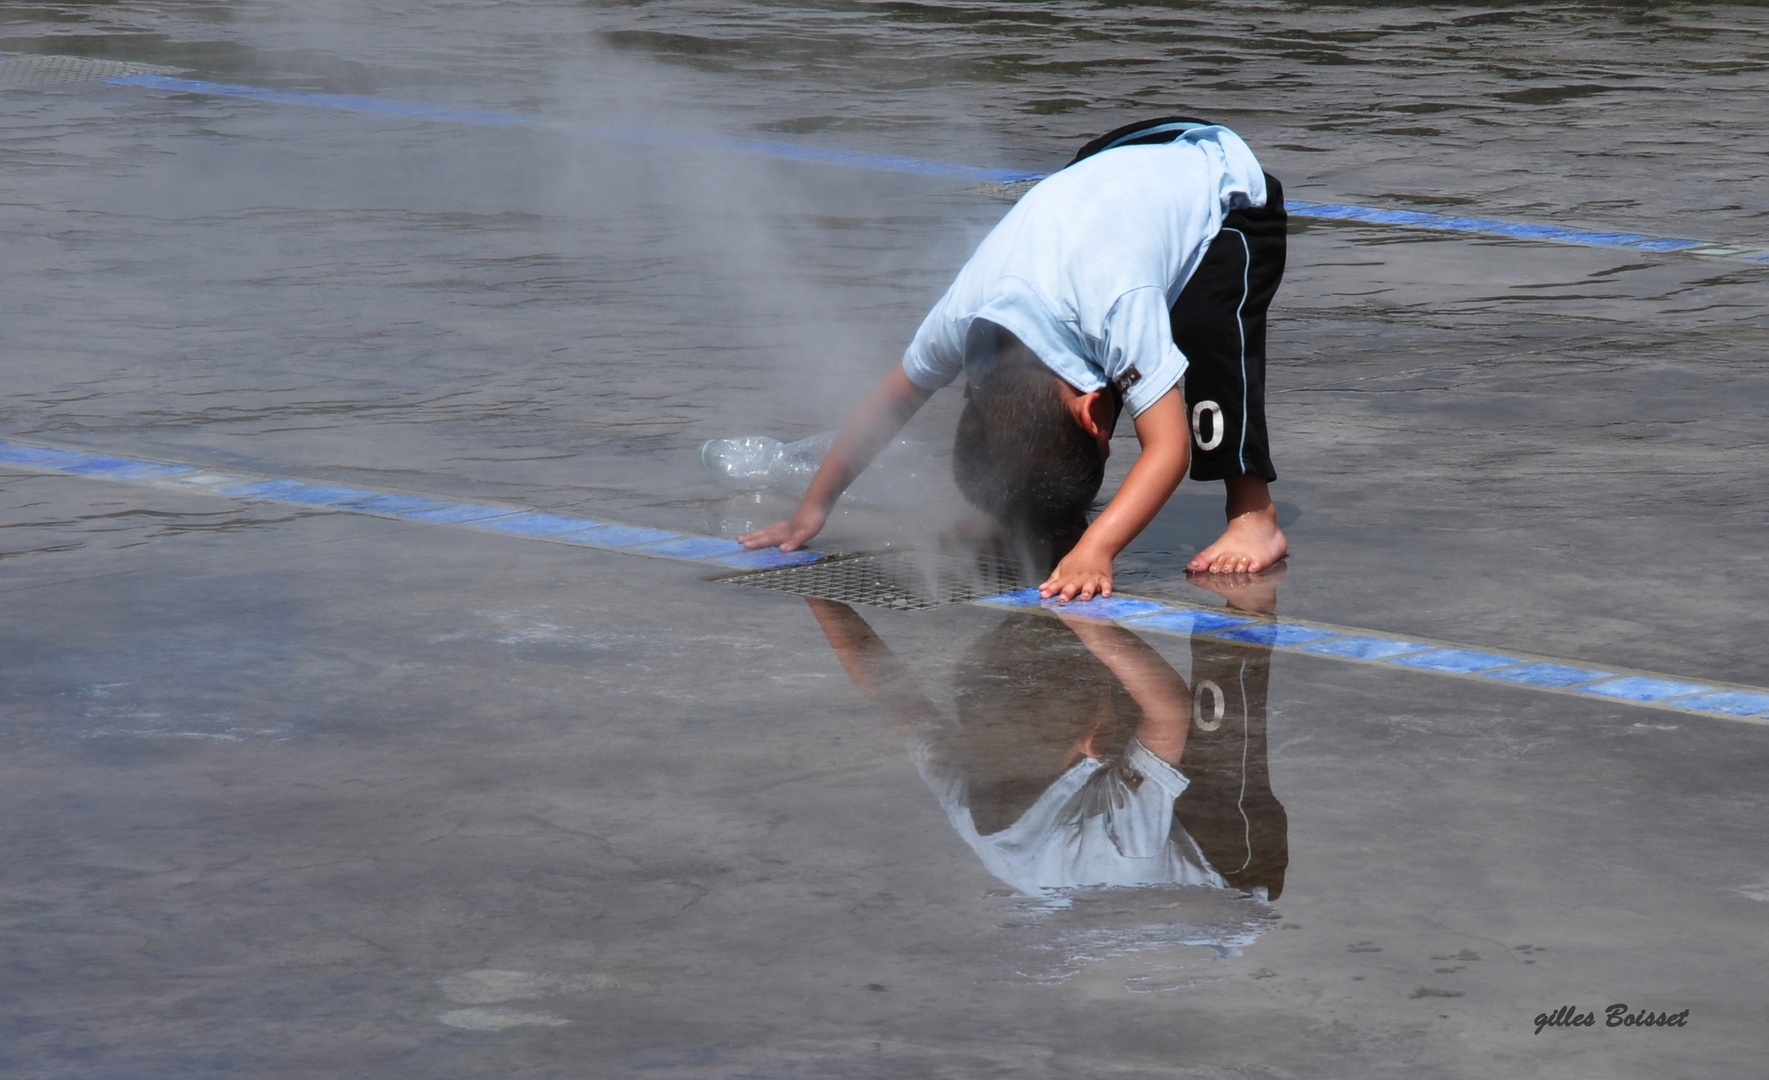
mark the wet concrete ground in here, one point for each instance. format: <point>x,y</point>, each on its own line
<point>305,794</point>
<point>295,793</point>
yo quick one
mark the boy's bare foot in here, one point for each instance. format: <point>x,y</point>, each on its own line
<point>1255,593</point>
<point>1252,542</point>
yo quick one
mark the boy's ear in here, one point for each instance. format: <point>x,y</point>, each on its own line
<point>1095,412</point>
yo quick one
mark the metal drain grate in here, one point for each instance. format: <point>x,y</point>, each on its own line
<point>20,71</point>
<point>902,580</point>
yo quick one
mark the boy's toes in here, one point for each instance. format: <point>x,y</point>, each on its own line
<point>1228,562</point>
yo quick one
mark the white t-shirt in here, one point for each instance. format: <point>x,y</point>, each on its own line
<point>1101,823</point>
<point>1085,268</point>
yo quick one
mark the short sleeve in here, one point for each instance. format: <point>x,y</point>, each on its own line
<point>1138,352</point>
<point>1167,777</point>
<point>935,356</point>
<point>1133,802</point>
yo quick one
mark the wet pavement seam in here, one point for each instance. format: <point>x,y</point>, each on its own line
<point>1307,637</point>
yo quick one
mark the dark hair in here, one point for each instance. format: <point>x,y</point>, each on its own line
<point>1019,455</point>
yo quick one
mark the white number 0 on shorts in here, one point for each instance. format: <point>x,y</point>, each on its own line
<point>1208,717</point>
<point>1215,439</point>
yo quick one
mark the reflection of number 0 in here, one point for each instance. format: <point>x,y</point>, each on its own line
<point>1215,439</point>
<point>1218,706</point>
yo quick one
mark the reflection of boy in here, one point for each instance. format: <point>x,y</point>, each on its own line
<point>1148,260</point>
<point>1072,781</point>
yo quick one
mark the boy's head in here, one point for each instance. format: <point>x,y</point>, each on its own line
<point>1030,449</point>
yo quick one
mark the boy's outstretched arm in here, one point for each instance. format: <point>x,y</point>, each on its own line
<point>872,665</point>
<point>1166,453</point>
<point>1163,696</point>
<point>872,427</point>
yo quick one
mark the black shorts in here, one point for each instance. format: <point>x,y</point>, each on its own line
<point>1219,324</point>
<point>1219,321</point>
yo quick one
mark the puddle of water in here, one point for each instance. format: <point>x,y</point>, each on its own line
<point>597,824</point>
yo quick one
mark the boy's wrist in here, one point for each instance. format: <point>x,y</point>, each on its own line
<point>1093,544</point>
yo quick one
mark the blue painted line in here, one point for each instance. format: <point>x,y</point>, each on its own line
<point>1641,688</point>
<point>127,468</point>
<point>896,163</point>
<point>1519,230</point>
<point>263,489</point>
<point>319,494</point>
<point>622,536</point>
<point>1745,703</point>
<point>1665,243</point>
<point>1471,224</point>
<point>457,513</point>
<point>574,530</point>
<point>1457,661</point>
<point>1730,702</point>
<point>1363,648</point>
<point>1277,634</point>
<point>538,524</point>
<point>1339,210</point>
<point>1524,231</point>
<point>41,456</point>
<point>1108,608</point>
<point>768,558</point>
<point>1383,217</point>
<point>772,148</point>
<point>1017,599</point>
<point>400,505</point>
<point>1189,622</point>
<point>1549,675</point>
<point>295,491</point>
<point>693,547</point>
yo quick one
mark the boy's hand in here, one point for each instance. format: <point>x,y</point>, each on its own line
<point>1083,573</point>
<point>1166,450</point>
<point>872,427</point>
<point>788,535</point>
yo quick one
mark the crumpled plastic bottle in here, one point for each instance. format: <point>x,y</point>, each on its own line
<point>758,463</point>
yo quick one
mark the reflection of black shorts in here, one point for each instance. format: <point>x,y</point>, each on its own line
<point>1219,324</point>
<point>1229,809</point>
<point>1219,321</point>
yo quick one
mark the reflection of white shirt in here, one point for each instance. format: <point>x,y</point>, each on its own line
<point>1099,823</point>
<point>1086,266</point>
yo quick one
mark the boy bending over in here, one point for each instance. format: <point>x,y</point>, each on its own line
<point>1137,278</point>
